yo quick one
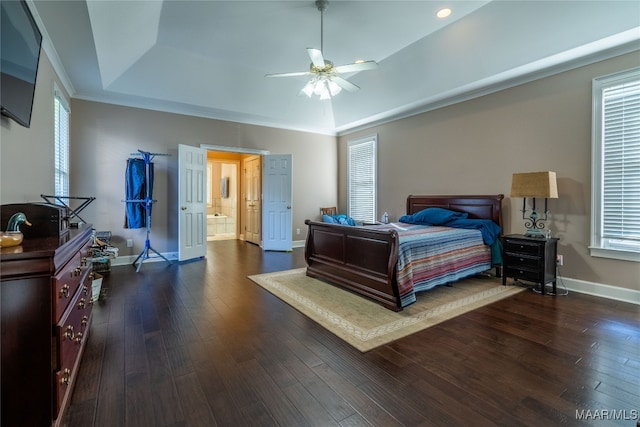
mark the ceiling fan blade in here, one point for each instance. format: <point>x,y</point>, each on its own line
<point>356,66</point>
<point>345,84</point>
<point>298,73</point>
<point>316,57</point>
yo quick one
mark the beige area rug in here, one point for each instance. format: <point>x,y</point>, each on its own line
<point>365,324</point>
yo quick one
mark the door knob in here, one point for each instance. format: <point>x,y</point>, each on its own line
<point>288,206</point>
<point>184,208</point>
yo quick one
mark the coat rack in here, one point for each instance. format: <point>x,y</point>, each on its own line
<point>147,202</point>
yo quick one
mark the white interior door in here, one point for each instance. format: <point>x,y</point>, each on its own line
<point>277,208</point>
<point>192,222</point>
<point>252,200</point>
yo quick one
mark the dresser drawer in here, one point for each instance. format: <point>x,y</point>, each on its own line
<point>67,282</point>
<point>523,247</point>
<point>71,335</point>
<point>72,328</point>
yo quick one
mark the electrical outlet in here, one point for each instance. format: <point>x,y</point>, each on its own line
<point>129,243</point>
<point>297,231</point>
<point>560,259</point>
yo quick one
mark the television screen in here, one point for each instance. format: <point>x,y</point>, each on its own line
<point>20,42</point>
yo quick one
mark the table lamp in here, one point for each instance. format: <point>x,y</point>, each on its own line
<point>534,185</point>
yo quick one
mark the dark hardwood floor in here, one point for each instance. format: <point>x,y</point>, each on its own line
<point>199,344</point>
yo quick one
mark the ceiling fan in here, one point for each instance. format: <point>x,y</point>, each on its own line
<point>325,81</point>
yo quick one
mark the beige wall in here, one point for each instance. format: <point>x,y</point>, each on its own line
<point>104,135</point>
<point>26,168</point>
<point>474,147</point>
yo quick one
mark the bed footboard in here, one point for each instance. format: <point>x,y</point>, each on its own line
<point>356,258</point>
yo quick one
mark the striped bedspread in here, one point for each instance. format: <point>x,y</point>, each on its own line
<point>430,256</point>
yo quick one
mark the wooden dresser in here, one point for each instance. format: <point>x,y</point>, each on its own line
<point>45,296</point>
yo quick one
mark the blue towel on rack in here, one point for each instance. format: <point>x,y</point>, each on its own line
<point>136,189</point>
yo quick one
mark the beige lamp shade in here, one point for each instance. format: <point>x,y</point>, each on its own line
<point>534,184</point>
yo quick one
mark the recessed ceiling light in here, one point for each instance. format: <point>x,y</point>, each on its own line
<point>443,13</point>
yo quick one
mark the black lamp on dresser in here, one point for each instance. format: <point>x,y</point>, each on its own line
<point>532,256</point>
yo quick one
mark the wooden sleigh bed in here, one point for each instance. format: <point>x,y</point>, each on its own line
<point>364,259</point>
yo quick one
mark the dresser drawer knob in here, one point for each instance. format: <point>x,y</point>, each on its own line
<point>85,320</point>
<point>64,291</point>
<point>66,376</point>
<point>78,338</point>
<point>68,332</point>
<point>82,303</point>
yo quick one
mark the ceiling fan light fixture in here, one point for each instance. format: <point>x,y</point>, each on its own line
<point>325,81</point>
<point>320,89</point>
<point>322,86</point>
<point>308,89</point>
<point>324,94</point>
<point>334,89</point>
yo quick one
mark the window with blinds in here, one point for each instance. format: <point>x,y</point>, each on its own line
<point>616,152</point>
<point>362,179</point>
<point>61,144</point>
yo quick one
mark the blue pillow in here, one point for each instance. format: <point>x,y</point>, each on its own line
<point>338,219</point>
<point>433,216</point>
<point>329,219</point>
<point>345,220</point>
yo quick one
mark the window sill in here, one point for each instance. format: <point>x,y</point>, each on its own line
<point>614,254</point>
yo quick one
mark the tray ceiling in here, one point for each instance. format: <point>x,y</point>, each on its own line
<point>209,58</point>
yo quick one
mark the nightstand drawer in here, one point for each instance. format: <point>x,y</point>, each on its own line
<point>523,261</point>
<point>523,247</point>
<point>521,273</point>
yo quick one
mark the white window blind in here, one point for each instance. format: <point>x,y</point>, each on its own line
<point>61,144</point>
<point>617,155</point>
<point>361,176</point>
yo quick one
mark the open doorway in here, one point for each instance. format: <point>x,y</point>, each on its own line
<point>223,195</point>
<point>235,196</point>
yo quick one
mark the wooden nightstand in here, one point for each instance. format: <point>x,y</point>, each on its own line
<point>529,258</point>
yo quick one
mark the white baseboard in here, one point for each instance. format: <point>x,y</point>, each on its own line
<point>600,290</point>
<point>172,256</point>
<point>129,259</point>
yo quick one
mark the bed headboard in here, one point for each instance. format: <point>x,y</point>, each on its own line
<point>483,207</point>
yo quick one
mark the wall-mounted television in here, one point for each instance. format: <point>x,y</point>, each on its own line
<point>20,41</point>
